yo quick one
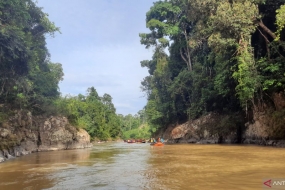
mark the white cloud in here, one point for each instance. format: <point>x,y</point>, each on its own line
<point>111,69</point>
<point>99,46</point>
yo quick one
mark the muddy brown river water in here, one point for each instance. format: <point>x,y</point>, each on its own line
<point>122,166</point>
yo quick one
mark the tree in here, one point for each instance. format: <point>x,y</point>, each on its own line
<point>167,20</point>
<point>233,50</point>
<point>23,51</point>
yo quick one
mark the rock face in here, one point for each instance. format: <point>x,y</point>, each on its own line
<point>266,128</point>
<point>24,134</point>
<point>200,130</point>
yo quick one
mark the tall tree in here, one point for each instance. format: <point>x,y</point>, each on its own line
<point>23,51</point>
<point>234,51</point>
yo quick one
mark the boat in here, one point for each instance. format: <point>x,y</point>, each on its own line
<point>157,144</point>
<point>131,141</point>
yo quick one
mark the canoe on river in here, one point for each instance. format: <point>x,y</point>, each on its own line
<point>157,144</point>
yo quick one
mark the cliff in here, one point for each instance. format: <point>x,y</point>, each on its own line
<point>23,134</point>
<point>268,123</point>
<point>206,130</point>
<point>266,127</point>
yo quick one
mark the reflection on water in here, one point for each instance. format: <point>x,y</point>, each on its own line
<point>140,166</point>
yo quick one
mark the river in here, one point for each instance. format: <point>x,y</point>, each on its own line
<point>123,166</point>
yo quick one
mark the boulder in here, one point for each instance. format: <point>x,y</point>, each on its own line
<point>23,134</point>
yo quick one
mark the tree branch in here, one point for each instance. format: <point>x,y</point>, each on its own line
<point>267,30</point>
<point>188,51</point>
<point>267,42</point>
<point>266,39</point>
<point>183,57</point>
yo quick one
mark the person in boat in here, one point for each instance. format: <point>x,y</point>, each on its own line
<point>161,140</point>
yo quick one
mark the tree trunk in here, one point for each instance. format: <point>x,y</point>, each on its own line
<point>188,51</point>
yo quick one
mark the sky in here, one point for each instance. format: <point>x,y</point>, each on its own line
<point>99,46</point>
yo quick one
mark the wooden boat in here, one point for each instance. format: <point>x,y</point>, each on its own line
<point>131,141</point>
<point>157,144</point>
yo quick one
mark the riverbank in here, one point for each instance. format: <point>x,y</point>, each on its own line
<point>24,134</point>
<point>259,142</point>
<point>206,130</point>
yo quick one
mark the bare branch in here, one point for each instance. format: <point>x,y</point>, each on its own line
<point>188,51</point>
<point>184,58</point>
<point>267,41</point>
<point>267,30</point>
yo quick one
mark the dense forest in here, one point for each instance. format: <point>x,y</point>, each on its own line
<point>222,56</point>
<point>97,115</point>
<point>29,80</point>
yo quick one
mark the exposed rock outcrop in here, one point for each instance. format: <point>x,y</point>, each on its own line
<point>203,130</point>
<point>265,131</point>
<point>268,125</point>
<point>24,134</point>
<point>266,128</point>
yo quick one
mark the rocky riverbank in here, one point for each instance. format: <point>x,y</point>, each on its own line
<point>23,134</point>
<point>208,130</point>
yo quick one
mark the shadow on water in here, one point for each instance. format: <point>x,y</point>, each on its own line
<point>67,168</point>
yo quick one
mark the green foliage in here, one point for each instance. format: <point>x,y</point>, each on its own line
<point>234,18</point>
<point>164,19</point>
<point>27,78</point>
<point>272,74</point>
<point>136,126</point>
<point>280,21</point>
<point>233,61</point>
<point>143,132</point>
<point>93,113</point>
<point>246,75</point>
<point>231,53</point>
